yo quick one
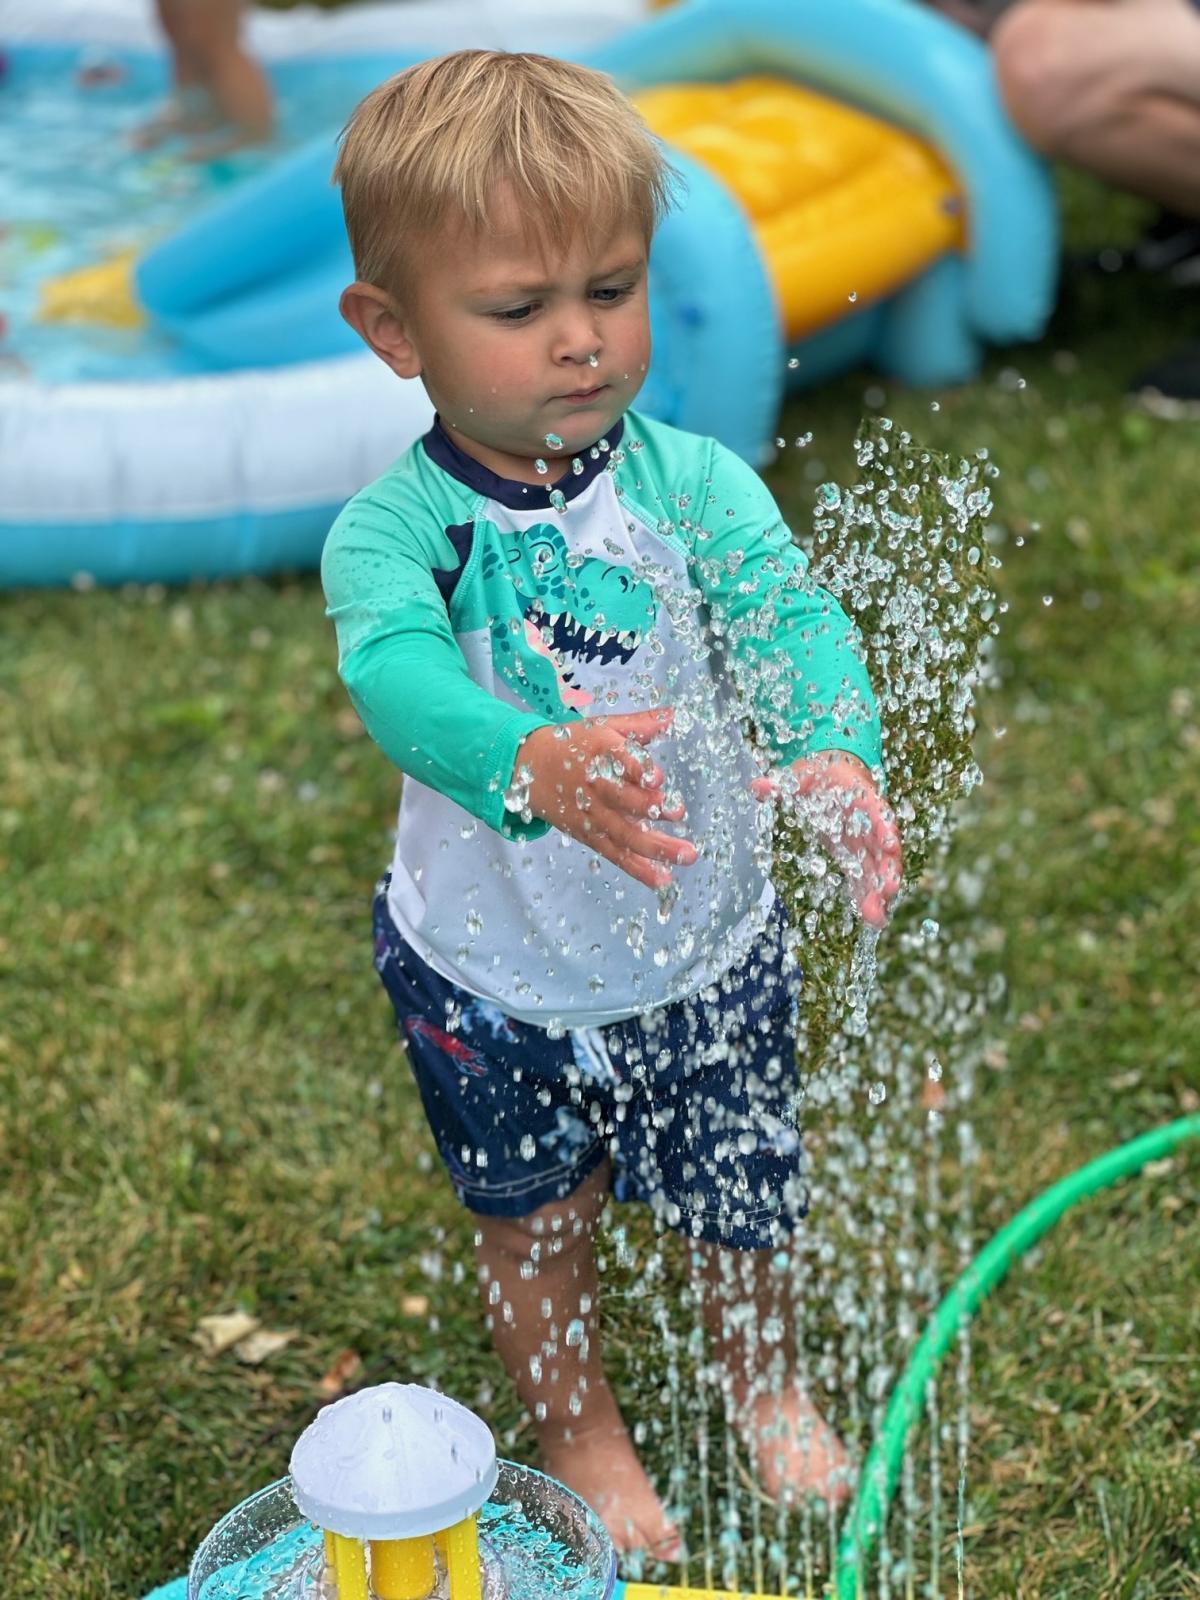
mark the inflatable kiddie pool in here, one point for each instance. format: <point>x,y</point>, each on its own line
<point>855,195</point>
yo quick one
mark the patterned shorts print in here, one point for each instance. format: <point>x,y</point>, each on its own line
<point>693,1104</point>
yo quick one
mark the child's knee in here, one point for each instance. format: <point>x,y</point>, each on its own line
<point>554,1230</point>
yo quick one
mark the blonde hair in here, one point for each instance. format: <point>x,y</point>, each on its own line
<point>433,144</point>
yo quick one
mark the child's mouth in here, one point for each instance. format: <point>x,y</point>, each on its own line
<point>582,395</point>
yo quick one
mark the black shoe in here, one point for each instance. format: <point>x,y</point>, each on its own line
<point>1171,387</point>
<point>1169,249</point>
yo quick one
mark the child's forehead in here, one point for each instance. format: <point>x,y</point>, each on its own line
<point>509,249</point>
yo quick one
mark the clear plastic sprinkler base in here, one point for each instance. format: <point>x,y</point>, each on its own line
<point>538,1541</point>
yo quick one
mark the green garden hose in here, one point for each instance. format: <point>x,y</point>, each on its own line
<point>881,1469</point>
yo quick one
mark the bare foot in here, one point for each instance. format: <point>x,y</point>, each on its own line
<point>599,1462</point>
<point>792,1448</point>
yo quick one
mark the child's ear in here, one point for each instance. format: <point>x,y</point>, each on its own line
<point>379,323</point>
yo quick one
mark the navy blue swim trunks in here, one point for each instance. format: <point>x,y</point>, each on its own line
<point>693,1104</point>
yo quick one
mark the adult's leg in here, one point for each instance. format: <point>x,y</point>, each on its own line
<point>190,109</point>
<point>1112,86</point>
<point>206,35</point>
<point>540,1286</point>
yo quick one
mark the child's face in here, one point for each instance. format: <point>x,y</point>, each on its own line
<point>515,347</point>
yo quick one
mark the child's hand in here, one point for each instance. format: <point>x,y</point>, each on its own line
<point>590,781</point>
<point>835,796</point>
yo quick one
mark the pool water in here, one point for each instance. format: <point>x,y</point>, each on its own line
<point>73,192</point>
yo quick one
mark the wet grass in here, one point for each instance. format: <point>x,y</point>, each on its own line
<point>203,1109</point>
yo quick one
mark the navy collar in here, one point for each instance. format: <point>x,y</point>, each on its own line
<point>443,452</point>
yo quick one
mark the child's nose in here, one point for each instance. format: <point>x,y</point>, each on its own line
<point>578,338</point>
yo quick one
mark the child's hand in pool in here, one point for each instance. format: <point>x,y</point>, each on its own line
<point>591,779</point>
<point>834,795</point>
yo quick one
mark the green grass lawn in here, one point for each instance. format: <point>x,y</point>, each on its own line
<point>203,1110</point>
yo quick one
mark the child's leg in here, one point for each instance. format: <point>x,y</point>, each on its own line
<point>540,1288</point>
<point>793,1449</point>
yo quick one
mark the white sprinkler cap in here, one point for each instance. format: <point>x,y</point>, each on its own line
<point>393,1462</point>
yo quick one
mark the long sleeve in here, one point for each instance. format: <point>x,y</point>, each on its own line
<point>795,655</point>
<point>407,676</point>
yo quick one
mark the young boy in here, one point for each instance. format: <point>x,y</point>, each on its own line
<point>556,616</point>
<point>219,90</point>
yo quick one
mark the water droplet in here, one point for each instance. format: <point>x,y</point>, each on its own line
<point>877,1094</point>
<point>793,362</point>
<point>852,296</point>
<point>554,441</point>
<point>540,465</point>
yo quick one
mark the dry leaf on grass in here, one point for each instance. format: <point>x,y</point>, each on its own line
<point>262,1343</point>
<point>415,1305</point>
<point>343,1369</point>
<point>218,1333</point>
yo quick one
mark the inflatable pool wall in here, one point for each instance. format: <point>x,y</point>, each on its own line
<point>254,284</point>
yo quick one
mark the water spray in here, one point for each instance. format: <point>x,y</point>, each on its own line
<point>881,1470</point>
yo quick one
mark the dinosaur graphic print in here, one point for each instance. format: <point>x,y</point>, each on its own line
<point>553,612</point>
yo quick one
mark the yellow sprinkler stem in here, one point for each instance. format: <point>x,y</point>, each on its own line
<point>462,1560</point>
<point>403,1569</point>
<point>350,1567</point>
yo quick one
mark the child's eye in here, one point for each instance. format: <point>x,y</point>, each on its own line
<point>610,295</point>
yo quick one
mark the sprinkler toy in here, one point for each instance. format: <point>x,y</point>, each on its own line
<point>395,1493</point>
<point>393,1479</point>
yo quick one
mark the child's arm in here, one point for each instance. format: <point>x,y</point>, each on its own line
<point>794,653</point>
<point>798,665</point>
<point>405,673</point>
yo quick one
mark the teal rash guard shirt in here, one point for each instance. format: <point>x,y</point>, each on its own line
<point>471,609</point>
